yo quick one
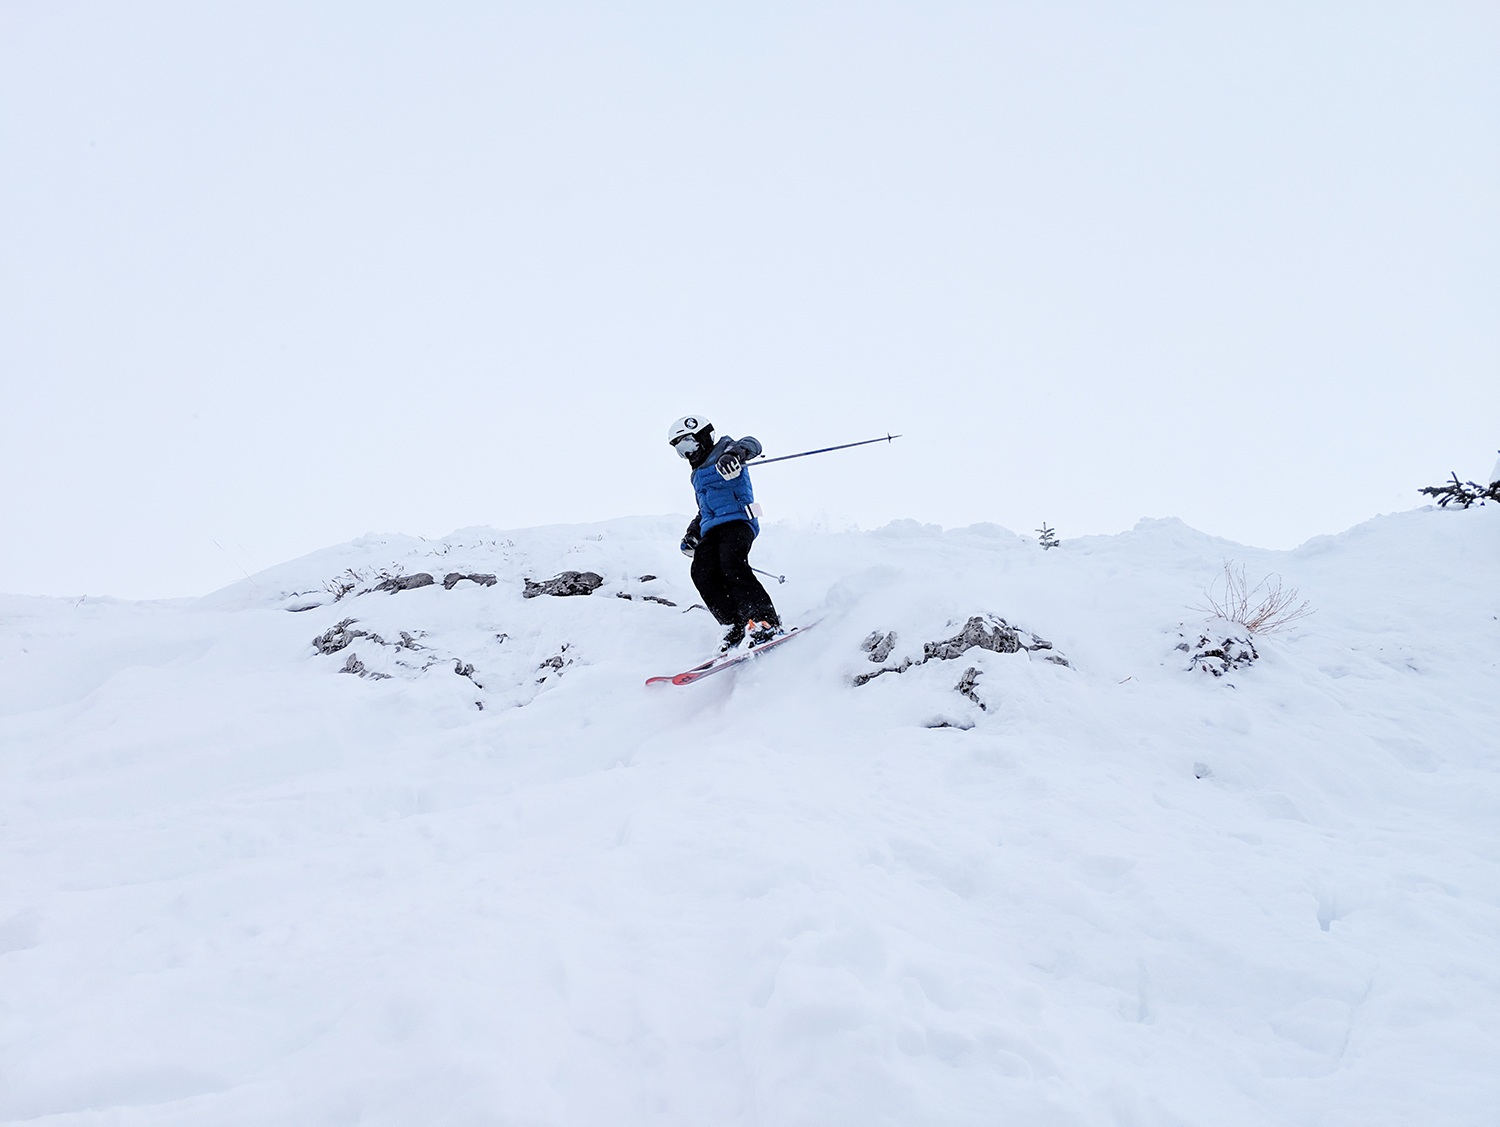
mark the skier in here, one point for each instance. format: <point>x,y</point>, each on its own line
<point>718,539</point>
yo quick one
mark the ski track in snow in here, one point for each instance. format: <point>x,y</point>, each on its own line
<point>242,887</point>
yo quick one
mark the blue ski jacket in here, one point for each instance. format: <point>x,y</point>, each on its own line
<point>721,501</point>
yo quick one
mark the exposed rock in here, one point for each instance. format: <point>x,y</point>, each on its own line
<point>966,685</point>
<point>865,678</point>
<point>1220,656</point>
<point>567,583</point>
<point>453,577</point>
<point>645,579</point>
<point>556,663</point>
<point>997,635</point>
<point>396,583</point>
<point>645,598</point>
<point>337,637</point>
<point>357,667</point>
<point>990,632</point>
<point>879,645</point>
<point>986,632</point>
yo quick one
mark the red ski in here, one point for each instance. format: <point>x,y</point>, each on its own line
<point>725,661</point>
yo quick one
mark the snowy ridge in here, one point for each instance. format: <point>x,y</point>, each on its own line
<point>242,886</point>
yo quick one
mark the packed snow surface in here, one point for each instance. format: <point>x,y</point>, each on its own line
<point>242,886</point>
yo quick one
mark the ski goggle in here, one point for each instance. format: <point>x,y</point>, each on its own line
<point>685,445</point>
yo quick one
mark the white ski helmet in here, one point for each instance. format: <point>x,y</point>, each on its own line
<point>688,434</point>
<point>688,424</point>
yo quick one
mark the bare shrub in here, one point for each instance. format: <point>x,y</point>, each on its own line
<point>352,578</point>
<point>1262,609</point>
<point>341,585</point>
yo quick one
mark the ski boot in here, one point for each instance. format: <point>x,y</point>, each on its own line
<point>732,638</point>
<point>761,632</point>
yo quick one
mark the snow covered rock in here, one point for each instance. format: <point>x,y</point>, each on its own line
<point>879,645</point>
<point>1220,650</point>
<point>357,667</point>
<point>986,632</point>
<point>965,686</point>
<point>336,637</point>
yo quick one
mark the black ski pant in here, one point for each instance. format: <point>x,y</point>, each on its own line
<point>721,572</point>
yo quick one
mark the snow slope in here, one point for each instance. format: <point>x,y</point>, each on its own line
<point>240,887</point>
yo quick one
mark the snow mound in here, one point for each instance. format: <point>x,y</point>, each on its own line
<point>349,842</point>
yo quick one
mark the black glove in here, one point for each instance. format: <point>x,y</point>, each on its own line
<point>728,465</point>
<point>691,539</point>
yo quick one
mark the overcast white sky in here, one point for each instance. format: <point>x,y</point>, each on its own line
<point>273,275</point>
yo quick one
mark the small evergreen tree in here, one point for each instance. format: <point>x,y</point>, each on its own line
<point>1049,537</point>
<point>1464,493</point>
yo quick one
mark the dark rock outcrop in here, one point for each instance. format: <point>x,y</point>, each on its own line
<point>337,637</point>
<point>645,598</point>
<point>568,583</point>
<point>996,635</point>
<point>453,577</point>
<point>405,582</point>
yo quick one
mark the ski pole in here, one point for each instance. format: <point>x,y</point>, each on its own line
<point>768,575</point>
<point>825,450</point>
